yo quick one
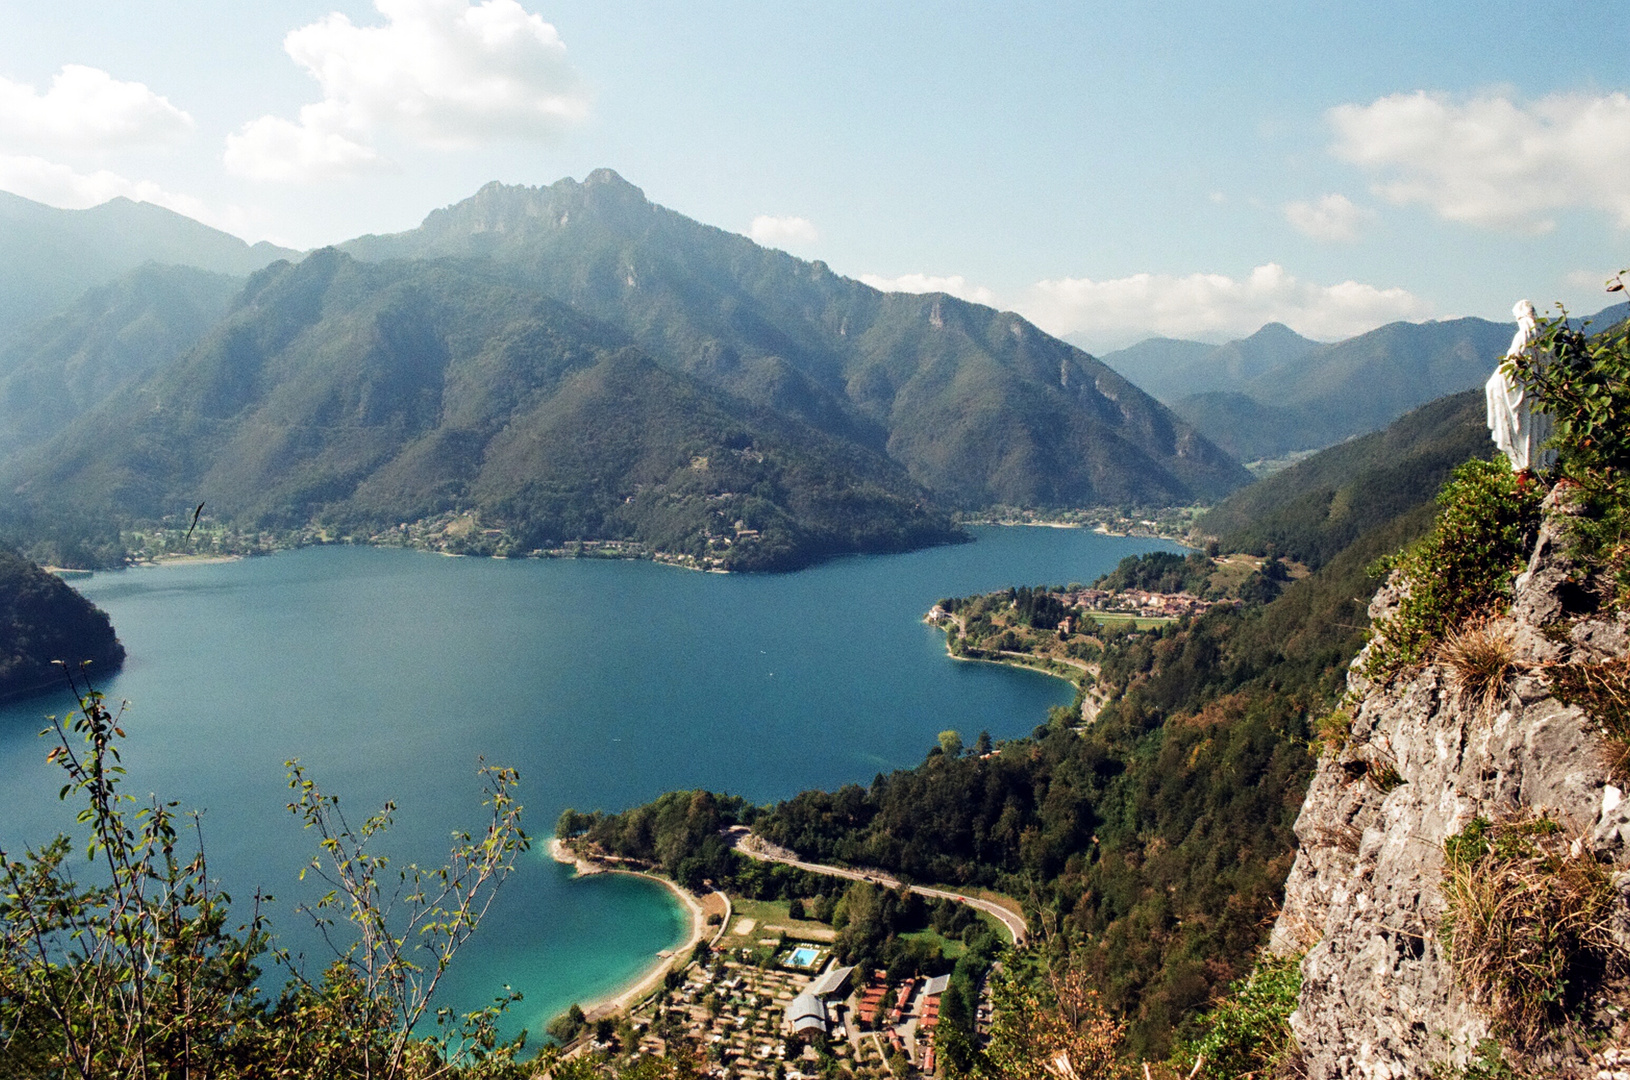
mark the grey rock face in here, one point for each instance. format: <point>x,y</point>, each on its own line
<point>1379,999</point>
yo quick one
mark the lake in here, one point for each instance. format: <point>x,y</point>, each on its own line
<point>389,673</point>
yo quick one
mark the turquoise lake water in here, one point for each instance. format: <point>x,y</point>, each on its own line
<point>389,673</point>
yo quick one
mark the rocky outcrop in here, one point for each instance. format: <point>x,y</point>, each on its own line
<point>1379,998</point>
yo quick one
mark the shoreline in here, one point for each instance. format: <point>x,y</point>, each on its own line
<point>651,977</point>
<point>1013,661</point>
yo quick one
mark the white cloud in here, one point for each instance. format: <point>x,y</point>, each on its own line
<point>782,232</point>
<point>58,185</point>
<point>1490,162</point>
<point>1332,218</point>
<point>955,284</point>
<point>440,73</point>
<point>319,147</point>
<point>1213,306</point>
<point>86,109</point>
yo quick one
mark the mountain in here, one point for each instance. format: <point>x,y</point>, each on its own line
<point>69,363</point>
<point>41,620</point>
<point>979,406</point>
<point>1317,507</point>
<point>53,256</point>
<point>369,395</point>
<point>1172,369</point>
<point>1348,388</point>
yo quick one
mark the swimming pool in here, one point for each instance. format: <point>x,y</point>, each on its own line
<point>803,956</point>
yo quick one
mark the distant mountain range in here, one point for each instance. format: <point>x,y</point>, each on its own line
<point>53,256</point>
<point>572,363</point>
<point>1277,392</point>
<point>980,406</point>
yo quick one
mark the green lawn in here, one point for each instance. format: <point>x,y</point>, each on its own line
<point>774,913</point>
<point>1104,618</point>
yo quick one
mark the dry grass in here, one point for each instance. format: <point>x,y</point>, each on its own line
<point>1603,692</point>
<point>1332,730</point>
<point>1481,658</point>
<point>1529,922</point>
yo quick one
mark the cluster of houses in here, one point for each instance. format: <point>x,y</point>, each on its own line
<point>1141,602</point>
<point>759,1023</point>
<point>907,1027</point>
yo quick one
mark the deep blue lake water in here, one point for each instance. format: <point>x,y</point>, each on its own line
<point>389,673</point>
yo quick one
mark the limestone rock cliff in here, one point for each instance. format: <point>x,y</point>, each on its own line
<point>1379,998</point>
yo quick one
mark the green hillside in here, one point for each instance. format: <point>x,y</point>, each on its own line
<point>1316,508</point>
<point>41,620</point>
<point>978,405</point>
<point>366,396</point>
<point>61,367</point>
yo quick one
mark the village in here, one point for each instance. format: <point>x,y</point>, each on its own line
<point>762,1005</point>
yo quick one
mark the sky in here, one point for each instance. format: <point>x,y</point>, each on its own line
<point>1110,171</point>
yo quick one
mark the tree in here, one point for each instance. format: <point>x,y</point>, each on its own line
<point>144,974</point>
<point>951,743</point>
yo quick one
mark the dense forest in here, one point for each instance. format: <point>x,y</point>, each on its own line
<point>43,620</point>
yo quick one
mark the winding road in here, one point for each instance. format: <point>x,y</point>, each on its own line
<point>756,847</point>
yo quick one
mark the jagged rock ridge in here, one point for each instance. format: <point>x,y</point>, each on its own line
<point>1379,998</point>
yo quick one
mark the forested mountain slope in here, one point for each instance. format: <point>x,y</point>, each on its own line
<point>978,405</point>
<point>67,364</point>
<point>41,620</point>
<point>1314,509</point>
<point>371,395</point>
<point>1155,839</point>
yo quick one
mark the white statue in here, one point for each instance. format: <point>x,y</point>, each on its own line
<point>1518,430</point>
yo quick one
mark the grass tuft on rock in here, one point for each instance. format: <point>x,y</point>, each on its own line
<point>1528,923</point>
<point>1481,657</point>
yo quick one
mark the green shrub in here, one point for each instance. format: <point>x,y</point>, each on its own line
<point>1584,383</point>
<point>1485,527</point>
<point>1488,1063</point>
<point>1248,1032</point>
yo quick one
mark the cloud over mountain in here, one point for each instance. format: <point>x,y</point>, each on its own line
<point>1205,305</point>
<point>1490,161</point>
<point>444,74</point>
<point>954,284</point>
<point>86,110</point>
<point>782,232</point>
<point>61,186</point>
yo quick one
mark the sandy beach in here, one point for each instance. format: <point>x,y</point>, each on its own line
<point>189,560</point>
<point>652,977</point>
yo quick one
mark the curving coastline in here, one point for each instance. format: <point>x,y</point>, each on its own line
<point>652,976</point>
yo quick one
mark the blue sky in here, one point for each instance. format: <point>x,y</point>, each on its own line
<point>1110,171</point>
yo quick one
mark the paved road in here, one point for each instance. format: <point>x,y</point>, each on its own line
<point>755,847</point>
